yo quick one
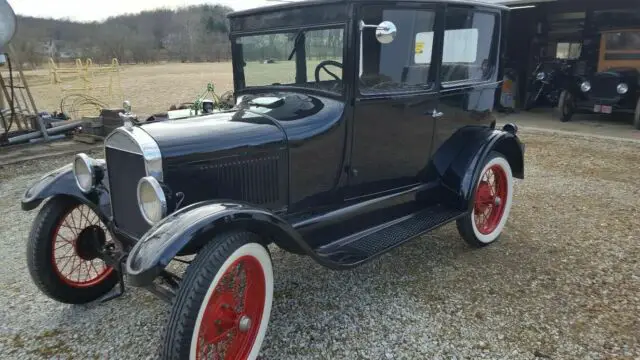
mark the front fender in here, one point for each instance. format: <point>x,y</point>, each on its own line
<point>62,182</point>
<point>192,227</point>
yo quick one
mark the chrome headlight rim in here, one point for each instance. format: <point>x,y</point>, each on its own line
<point>160,196</point>
<point>622,88</point>
<point>585,86</point>
<point>88,163</point>
<point>541,75</point>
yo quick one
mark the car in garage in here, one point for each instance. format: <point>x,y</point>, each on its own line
<point>615,87</point>
<point>372,126</point>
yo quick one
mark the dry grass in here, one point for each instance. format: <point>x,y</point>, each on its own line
<point>154,88</point>
<point>150,88</point>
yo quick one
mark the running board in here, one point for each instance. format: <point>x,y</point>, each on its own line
<point>365,245</point>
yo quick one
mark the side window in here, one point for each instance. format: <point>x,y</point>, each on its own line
<point>403,64</point>
<point>470,47</point>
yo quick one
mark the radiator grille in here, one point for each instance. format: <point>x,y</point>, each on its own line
<point>125,169</point>
<point>253,180</point>
<point>604,86</point>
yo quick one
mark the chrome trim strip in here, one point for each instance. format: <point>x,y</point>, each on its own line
<point>149,149</point>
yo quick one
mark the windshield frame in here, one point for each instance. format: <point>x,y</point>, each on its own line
<point>240,86</point>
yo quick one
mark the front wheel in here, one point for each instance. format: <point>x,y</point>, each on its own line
<point>222,308</point>
<point>63,252</point>
<point>530,101</point>
<point>566,106</point>
<point>491,203</point>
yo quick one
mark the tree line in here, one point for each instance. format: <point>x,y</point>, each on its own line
<point>189,34</point>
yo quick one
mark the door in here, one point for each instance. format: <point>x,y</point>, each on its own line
<point>468,72</point>
<point>396,101</point>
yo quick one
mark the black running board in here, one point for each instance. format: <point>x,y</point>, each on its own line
<point>365,245</point>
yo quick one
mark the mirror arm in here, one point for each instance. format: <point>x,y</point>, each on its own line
<point>377,27</point>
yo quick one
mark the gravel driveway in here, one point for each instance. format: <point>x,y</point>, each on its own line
<point>562,283</point>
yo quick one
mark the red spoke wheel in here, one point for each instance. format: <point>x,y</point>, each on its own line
<point>63,252</point>
<point>223,306</point>
<point>491,203</point>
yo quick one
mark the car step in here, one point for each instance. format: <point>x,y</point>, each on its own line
<point>362,246</point>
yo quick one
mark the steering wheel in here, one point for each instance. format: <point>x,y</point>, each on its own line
<point>323,66</point>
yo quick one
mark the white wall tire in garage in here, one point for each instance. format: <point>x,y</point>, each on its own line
<point>492,200</point>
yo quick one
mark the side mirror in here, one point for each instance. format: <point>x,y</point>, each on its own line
<point>386,31</point>
<point>7,23</point>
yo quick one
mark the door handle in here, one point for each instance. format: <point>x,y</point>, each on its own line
<point>436,114</point>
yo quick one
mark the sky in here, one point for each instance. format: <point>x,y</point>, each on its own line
<point>89,10</point>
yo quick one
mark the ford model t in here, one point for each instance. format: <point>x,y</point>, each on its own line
<point>356,126</point>
<point>615,87</point>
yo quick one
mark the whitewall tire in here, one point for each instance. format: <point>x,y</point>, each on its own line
<point>223,306</point>
<point>492,201</point>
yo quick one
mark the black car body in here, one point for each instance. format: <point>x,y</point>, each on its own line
<point>340,160</point>
<point>615,87</point>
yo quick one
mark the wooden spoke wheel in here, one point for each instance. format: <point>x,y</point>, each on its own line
<point>63,252</point>
<point>491,203</point>
<point>223,306</point>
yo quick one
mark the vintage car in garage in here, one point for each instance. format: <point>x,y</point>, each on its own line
<point>615,87</point>
<point>372,125</point>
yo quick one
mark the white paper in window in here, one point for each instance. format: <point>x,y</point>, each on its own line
<point>424,45</point>
<point>460,46</point>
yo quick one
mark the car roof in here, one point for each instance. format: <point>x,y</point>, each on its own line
<point>300,4</point>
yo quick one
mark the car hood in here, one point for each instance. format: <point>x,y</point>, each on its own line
<point>257,122</point>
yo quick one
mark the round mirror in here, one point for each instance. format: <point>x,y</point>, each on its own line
<point>386,32</point>
<point>7,23</point>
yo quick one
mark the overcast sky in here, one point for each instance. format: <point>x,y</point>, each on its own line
<point>88,10</point>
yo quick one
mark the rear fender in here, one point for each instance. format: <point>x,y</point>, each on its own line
<point>190,228</point>
<point>62,182</point>
<point>460,159</point>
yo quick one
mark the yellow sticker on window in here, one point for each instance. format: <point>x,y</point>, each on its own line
<point>419,47</point>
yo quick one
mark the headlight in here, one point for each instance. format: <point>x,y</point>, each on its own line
<point>622,88</point>
<point>585,86</point>
<point>540,76</point>
<point>84,173</point>
<point>151,200</point>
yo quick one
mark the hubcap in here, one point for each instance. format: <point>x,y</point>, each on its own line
<point>244,324</point>
<point>489,205</point>
<point>233,314</point>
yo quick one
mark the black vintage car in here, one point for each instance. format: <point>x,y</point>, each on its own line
<point>548,80</point>
<point>388,136</point>
<point>615,87</point>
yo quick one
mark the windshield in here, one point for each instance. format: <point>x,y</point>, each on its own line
<point>276,59</point>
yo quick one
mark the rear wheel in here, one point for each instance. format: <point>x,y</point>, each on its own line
<point>566,106</point>
<point>223,306</point>
<point>636,116</point>
<point>491,204</point>
<point>63,249</point>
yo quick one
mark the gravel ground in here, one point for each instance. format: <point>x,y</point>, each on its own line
<point>562,283</point>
